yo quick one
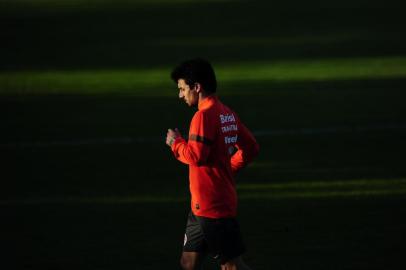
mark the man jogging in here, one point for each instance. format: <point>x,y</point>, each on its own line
<point>218,146</point>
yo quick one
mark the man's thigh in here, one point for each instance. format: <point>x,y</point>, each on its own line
<point>191,260</point>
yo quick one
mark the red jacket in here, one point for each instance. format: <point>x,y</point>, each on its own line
<point>218,146</point>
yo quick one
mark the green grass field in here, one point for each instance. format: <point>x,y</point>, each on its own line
<point>86,99</point>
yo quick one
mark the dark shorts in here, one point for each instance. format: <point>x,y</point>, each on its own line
<point>219,237</point>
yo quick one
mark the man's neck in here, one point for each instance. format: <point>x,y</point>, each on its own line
<point>203,96</point>
<point>203,99</point>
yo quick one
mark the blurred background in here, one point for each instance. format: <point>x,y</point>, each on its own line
<point>86,100</point>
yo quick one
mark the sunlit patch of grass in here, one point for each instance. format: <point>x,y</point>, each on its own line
<point>291,190</point>
<point>316,70</point>
<point>323,189</point>
<point>96,200</point>
<point>358,183</point>
<point>324,194</point>
<point>136,82</point>
<point>297,40</point>
<point>142,81</point>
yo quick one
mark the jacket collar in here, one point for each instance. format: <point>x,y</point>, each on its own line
<point>207,102</point>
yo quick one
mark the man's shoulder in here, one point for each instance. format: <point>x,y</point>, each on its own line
<point>208,115</point>
<point>215,111</point>
<point>228,111</point>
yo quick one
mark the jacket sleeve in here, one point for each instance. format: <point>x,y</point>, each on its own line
<point>247,149</point>
<point>196,150</point>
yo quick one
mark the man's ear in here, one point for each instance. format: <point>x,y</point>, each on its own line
<point>198,87</point>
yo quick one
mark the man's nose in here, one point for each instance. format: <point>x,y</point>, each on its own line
<point>180,94</point>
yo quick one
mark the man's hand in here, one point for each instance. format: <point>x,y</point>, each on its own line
<point>171,136</point>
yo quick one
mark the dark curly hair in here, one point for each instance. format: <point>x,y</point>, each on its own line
<point>196,71</point>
